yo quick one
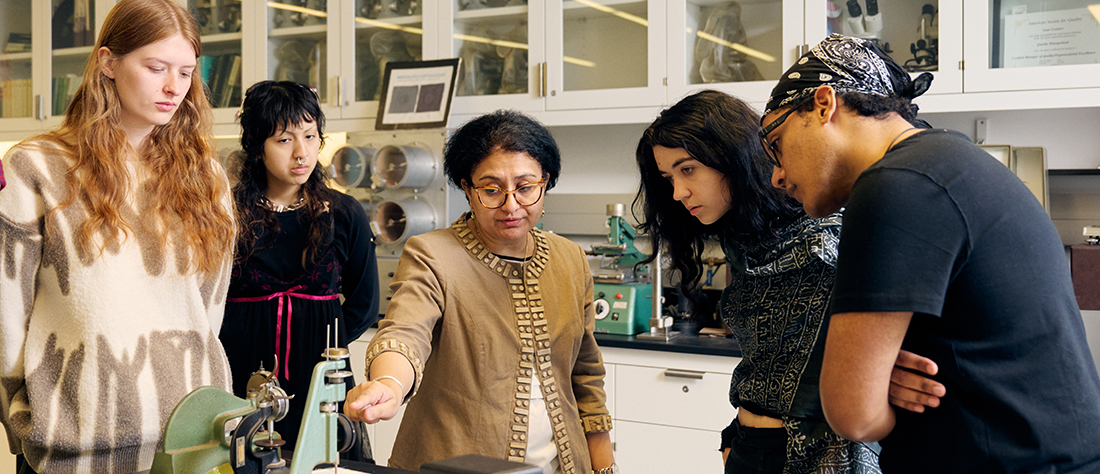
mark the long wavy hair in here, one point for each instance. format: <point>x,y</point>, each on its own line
<point>189,189</point>
<point>270,107</point>
<point>719,131</point>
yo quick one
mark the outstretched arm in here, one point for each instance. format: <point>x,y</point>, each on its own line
<point>380,397</point>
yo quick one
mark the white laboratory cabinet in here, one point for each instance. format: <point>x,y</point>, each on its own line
<point>668,409</point>
<point>581,62</point>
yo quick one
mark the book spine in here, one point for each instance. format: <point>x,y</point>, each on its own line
<point>232,79</point>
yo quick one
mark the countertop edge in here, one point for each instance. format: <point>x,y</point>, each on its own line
<point>685,344</point>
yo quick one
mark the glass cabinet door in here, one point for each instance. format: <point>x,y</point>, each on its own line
<point>921,35</point>
<point>605,53</point>
<point>72,37</point>
<point>1032,44</point>
<point>373,34</point>
<point>298,42</point>
<point>221,63</point>
<point>737,46</point>
<point>16,73</point>
<point>500,45</point>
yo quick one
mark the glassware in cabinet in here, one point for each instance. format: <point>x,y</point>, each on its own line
<point>920,35</point>
<point>501,45</point>
<point>491,38</point>
<point>297,43</point>
<point>385,31</point>
<point>738,46</point>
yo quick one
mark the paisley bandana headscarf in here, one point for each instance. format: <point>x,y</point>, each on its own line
<point>847,65</point>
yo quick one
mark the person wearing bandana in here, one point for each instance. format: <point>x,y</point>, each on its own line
<point>705,179</point>
<point>944,253</point>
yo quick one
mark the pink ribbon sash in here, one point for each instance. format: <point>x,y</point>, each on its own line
<point>287,296</point>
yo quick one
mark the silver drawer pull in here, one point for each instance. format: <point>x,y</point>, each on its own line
<point>684,374</point>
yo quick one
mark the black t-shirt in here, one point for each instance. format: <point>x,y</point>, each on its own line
<point>941,228</point>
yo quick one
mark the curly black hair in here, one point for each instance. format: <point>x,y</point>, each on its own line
<point>721,132</point>
<point>506,130</point>
<point>270,107</point>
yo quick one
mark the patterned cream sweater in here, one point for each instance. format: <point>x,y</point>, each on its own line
<point>94,355</point>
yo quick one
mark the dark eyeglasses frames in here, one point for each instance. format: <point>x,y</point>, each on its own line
<point>493,197</point>
<point>769,147</point>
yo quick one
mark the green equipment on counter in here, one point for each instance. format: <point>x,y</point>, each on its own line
<point>213,432</point>
<point>623,302</point>
<point>620,239</point>
<point>622,308</point>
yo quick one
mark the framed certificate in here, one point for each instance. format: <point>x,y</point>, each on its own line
<point>416,94</point>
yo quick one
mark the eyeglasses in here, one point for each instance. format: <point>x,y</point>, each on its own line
<point>493,197</point>
<point>770,148</point>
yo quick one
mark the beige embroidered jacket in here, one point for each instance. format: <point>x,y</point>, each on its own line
<point>476,332</point>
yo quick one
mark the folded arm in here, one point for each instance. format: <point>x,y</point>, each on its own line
<point>911,390</point>
<point>860,352</point>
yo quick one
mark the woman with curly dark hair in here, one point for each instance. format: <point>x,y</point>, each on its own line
<point>706,177</point>
<point>301,246</point>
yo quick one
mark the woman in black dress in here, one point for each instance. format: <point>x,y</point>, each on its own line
<point>301,246</point>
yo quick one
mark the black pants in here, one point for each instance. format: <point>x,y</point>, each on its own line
<point>757,450</point>
<point>21,466</point>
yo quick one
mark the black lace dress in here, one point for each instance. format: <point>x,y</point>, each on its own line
<point>275,306</point>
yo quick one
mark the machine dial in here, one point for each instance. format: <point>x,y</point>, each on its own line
<point>603,308</point>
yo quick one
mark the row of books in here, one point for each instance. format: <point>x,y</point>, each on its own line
<point>15,98</point>
<point>222,76</point>
<point>18,43</point>
<point>63,89</point>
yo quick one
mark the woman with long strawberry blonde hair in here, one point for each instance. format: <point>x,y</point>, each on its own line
<point>117,234</point>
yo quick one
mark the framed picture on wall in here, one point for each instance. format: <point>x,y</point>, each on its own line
<point>416,94</point>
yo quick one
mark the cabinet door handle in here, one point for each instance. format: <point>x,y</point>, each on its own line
<point>684,374</point>
<point>41,104</point>
<point>542,79</point>
<point>337,99</point>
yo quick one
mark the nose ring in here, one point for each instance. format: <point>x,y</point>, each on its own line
<point>300,160</point>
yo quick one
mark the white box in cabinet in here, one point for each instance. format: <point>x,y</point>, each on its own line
<point>642,448</point>
<point>672,396</point>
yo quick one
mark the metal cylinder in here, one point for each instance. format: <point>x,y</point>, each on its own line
<point>396,221</point>
<point>405,166</point>
<point>616,210</point>
<point>352,166</point>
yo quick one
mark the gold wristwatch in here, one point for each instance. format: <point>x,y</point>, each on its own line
<point>612,469</point>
